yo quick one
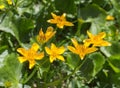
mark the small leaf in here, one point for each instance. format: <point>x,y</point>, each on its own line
<point>11,70</point>
<point>73,60</point>
<point>114,62</point>
<point>93,64</point>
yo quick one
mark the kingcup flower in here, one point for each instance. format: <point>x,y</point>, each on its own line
<point>44,37</point>
<point>9,2</point>
<point>30,55</point>
<point>96,40</point>
<point>2,7</point>
<point>55,52</point>
<point>81,49</point>
<point>110,18</point>
<point>60,21</point>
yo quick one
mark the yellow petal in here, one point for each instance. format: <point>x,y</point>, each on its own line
<point>22,51</point>
<point>39,56</point>
<point>22,59</point>
<point>81,56</point>
<point>61,50</point>
<point>52,59</point>
<point>109,18</point>
<point>90,50</point>
<point>35,47</point>
<point>53,46</point>
<point>59,25</point>
<point>9,2</point>
<point>31,64</point>
<point>68,23</point>
<point>72,49</point>
<point>41,32</point>
<point>90,35</point>
<point>63,15</point>
<point>61,58</point>
<point>87,42</point>
<point>2,7</point>
<point>75,43</point>
<point>101,35</point>
<point>102,43</point>
<point>54,16</point>
<point>49,33</point>
<point>53,21</point>
<point>48,50</point>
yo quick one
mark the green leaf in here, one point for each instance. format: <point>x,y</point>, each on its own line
<point>92,66</point>
<point>67,6</point>
<point>10,71</point>
<point>98,62</point>
<point>114,49</point>
<point>24,27</point>
<point>8,26</point>
<point>96,11</point>
<point>73,60</point>
<point>114,62</point>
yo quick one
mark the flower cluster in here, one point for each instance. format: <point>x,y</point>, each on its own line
<point>89,45</point>
<point>2,4</point>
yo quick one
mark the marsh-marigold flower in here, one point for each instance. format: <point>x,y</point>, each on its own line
<point>9,2</point>
<point>2,7</point>
<point>59,20</point>
<point>81,49</point>
<point>44,37</point>
<point>110,18</point>
<point>30,55</point>
<point>96,40</point>
<point>55,52</point>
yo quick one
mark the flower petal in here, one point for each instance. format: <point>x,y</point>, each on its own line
<point>60,50</point>
<point>59,25</point>
<point>53,21</point>
<point>35,47</point>
<point>82,55</point>
<point>91,36</point>
<point>101,35</point>
<point>39,56</point>
<point>22,51</point>
<point>54,15</point>
<point>22,59</point>
<point>31,64</point>
<point>61,58</point>
<point>52,59</point>
<point>102,43</point>
<point>72,49</point>
<point>48,50</point>
<point>53,46</point>
<point>49,33</point>
<point>75,43</point>
<point>90,50</point>
<point>68,23</point>
<point>63,16</point>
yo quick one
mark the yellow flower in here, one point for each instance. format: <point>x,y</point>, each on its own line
<point>9,2</point>
<point>30,55</point>
<point>55,52</point>
<point>81,49</point>
<point>109,18</point>
<point>59,20</point>
<point>2,7</point>
<point>96,40</point>
<point>7,84</point>
<point>44,37</point>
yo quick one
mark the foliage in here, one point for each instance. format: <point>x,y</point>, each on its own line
<point>69,30</point>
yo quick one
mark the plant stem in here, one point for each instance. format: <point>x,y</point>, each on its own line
<point>30,76</point>
<point>62,79</point>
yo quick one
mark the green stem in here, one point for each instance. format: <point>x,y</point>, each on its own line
<point>60,80</point>
<point>30,76</point>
